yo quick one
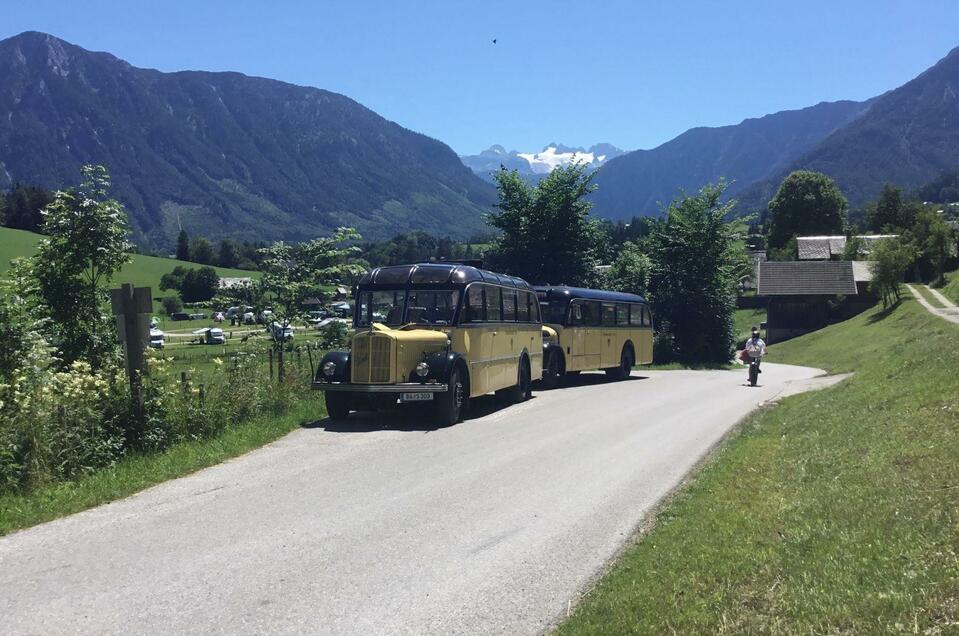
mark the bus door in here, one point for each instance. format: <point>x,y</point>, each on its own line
<point>594,334</point>
<point>500,359</point>
<point>609,355</point>
<point>477,341</point>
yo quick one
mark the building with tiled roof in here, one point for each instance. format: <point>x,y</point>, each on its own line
<point>808,295</point>
<point>824,248</point>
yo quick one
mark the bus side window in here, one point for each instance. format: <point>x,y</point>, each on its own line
<point>522,306</point>
<point>494,304</point>
<point>636,315</point>
<point>475,310</point>
<point>647,317</point>
<point>509,305</point>
<point>609,315</point>
<point>592,313</point>
<point>622,315</point>
<point>534,313</point>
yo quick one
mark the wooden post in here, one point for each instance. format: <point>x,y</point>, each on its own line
<point>132,307</point>
<point>271,364</point>
<point>280,367</point>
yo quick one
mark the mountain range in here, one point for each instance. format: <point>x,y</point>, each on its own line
<point>907,136</point>
<point>224,154</point>
<point>228,155</point>
<point>536,165</point>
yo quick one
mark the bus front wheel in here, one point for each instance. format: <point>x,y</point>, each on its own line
<point>337,405</point>
<point>449,405</point>
<point>553,371</point>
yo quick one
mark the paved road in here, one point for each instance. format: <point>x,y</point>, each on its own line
<point>381,526</point>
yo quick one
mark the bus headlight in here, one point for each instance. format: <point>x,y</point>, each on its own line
<point>329,369</point>
<point>422,369</point>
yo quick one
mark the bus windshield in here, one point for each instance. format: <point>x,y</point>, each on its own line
<point>554,313</point>
<point>395,308</point>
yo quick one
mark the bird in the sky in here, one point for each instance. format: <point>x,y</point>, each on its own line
<point>494,40</point>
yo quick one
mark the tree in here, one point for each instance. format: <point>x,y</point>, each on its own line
<point>201,251</point>
<point>892,257</point>
<point>200,284</point>
<point>183,246</point>
<point>293,272</point>
<point>890,213</point>
<point>807,203</point>
<point>630,270</point>
<point>788,252</point>
<point>696,257</point>
<point>172,304</point>
<point>195,284</point>
<point>173,279</point>
<point>22,208</point>
<point>933,237</point>
<point>228,254</point>
<point>86,246</point>
<point>546,232</point>
<point>854,248</point>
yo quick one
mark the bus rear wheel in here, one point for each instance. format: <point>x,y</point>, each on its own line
<point>625,366</point>
<point>524,382</point>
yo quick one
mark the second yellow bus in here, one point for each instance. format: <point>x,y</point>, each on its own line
<point>591,329</point>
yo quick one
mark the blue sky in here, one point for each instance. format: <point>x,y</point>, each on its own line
<point>634,74</point>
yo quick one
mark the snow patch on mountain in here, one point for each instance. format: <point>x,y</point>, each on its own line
<point>536,165</point>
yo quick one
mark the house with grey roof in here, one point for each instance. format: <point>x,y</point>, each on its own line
<point>825,248</point>
<point>808,295</point>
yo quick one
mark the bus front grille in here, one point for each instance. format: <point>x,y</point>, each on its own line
<point>372,355</point>
<point>380,358</point>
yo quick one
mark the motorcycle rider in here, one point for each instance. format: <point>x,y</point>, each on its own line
<point>756,348</point>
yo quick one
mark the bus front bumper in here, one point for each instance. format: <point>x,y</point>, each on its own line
<point>405,387</point>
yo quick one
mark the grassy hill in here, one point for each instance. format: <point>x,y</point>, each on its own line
<point>142,271</point>
<point>833,512</point>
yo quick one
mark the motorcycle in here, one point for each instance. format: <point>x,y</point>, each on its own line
<point>754,371</point>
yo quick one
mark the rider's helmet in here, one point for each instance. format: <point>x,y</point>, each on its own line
<point>755,332</point>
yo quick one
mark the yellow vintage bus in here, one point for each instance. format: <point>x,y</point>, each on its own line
<point>436,334</point>
<point>591,329</point>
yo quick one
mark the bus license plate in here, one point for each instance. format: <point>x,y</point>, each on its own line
<point>416,397</point>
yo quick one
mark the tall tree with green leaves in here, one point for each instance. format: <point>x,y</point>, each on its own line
<point>228,254</point>
<point>697,258</point>
<point>546,232</point>
<point>933,238</point>
<point>183,246</point>
<point>86,245</point>
<point>891,213</point>
<point>629,271</point>
<point>201,251</point>
<point>890,260</point>
<point>294,272</point>
<point>806,204</point>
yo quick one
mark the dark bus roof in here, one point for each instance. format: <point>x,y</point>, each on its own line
<point>564,293</point>
<point>442,275</point>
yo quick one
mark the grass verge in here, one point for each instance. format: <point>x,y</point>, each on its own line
<point>951,289</point>
<point>135,473</point>
<point>832,512</point>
